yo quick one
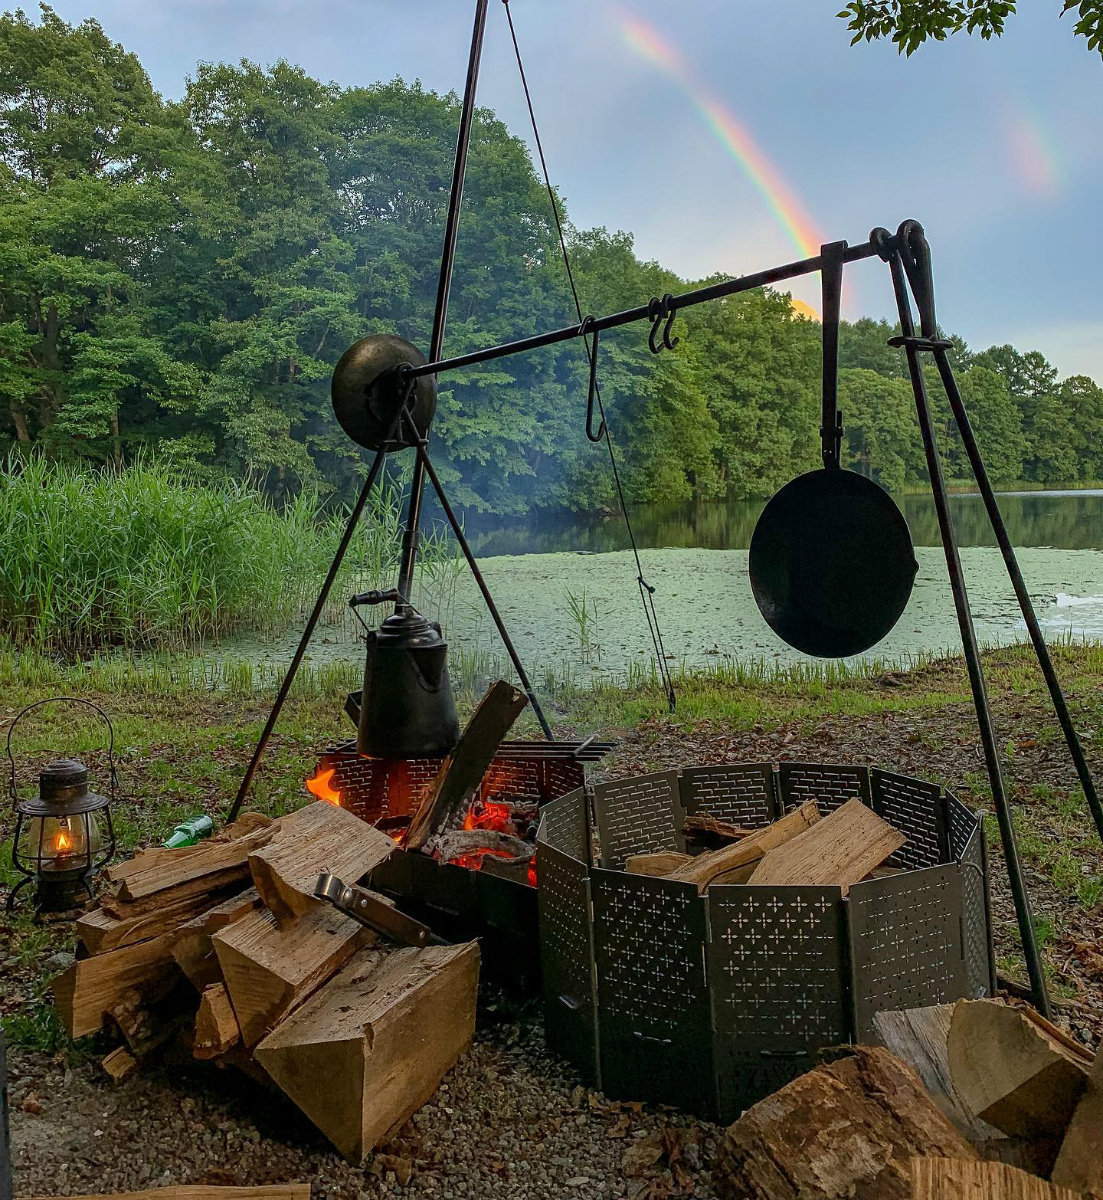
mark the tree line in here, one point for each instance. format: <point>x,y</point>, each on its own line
<point>178,278</point>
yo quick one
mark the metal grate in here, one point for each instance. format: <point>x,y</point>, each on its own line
<point>906,943</point>
<point>640,815</point>
<point>918,810</point>
<point>565,825</point>
<point>742,794</point>
<point>830,786</point>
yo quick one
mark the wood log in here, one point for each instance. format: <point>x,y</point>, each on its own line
<point>91,986</point>
<point>450,846</point>
<point>142,1029</point>
<point>382,1034</point>
<point>1014,1069</point>
<point>205,888</point>
<point>955,1179</point>
<point>318,837</point>
<point>1079,1162</point>
<point>200,1191</point>
<point>918,1036</point>
<point>703,869</point>
<point>120,1064</point>
<point>100,930</point>
<point>710,834</point>
<point>268,969</point>
<point>449,797</point>
<point>192,947</point>
<point>848,1129</point>
<point>661,862</point>
<point>837,852</point>
<point>514,869</point>
<point>191,868</point>
<point>216,1027</point>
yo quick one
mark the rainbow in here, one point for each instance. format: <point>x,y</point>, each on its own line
<point>732,134</point>
<point>1032,152</point>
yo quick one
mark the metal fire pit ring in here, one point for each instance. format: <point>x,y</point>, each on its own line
<point>709,1003</point>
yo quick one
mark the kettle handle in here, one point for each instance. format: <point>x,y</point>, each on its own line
<point>114,776</point>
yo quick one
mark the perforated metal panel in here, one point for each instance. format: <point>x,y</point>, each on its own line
<point>567,960</point>
<point>565,825</point>
<point>639,815</point>
<point>918,810</point>
<point>653,1001</point>
<point>779,985</point>
<point>742,794</point>
<point>962,821</point>
<point>974,914</point>
<point>906,942</point>
<point>829,785</point>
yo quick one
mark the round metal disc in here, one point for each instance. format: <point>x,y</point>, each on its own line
<point>367,387</point>
<point>831,563</point>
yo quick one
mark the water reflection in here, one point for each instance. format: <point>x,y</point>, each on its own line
<point>1064,520</point>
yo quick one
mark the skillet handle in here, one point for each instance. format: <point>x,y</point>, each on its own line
<point>831,282</point>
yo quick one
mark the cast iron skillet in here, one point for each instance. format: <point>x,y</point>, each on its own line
<point>831,559</point>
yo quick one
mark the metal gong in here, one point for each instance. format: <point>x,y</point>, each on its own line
<point>368,385</point>
<point>832,563</point>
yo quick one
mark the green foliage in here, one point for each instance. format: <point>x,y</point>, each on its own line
<point>178,279</point>
<point>910,23</point>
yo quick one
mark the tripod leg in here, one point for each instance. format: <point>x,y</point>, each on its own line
<point>953,394</point>
<point>319,604</point>
<point>457,529</point>
<point>970,646</point>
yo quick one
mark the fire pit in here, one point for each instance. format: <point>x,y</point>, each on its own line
<point>711,1002</point>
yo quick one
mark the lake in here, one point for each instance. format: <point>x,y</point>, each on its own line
<point>695,556</point>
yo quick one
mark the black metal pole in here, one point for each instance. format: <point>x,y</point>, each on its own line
<point>304,641</point>
<point>411,533</point>
<point>969,643</point>
<point>1011,562</point>
<point>507,641</point>
<point>6,1184</point>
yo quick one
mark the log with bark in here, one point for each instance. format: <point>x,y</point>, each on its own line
<point>848,1129</point>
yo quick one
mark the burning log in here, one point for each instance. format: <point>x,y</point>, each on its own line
<point>462,771</point>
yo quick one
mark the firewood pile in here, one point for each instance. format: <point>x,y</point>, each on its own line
<point>841,849</point>
<point>224,947</point>
<point>976,1100</point>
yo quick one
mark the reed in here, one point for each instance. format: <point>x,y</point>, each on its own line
<point>147,558</point>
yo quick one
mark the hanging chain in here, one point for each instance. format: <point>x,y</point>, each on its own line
<point>647,592</point>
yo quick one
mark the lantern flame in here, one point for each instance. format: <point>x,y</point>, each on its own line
<point>64,842</point>
<point>319,785</point>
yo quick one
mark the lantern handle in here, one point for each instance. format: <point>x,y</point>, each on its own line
<point>114,776</point>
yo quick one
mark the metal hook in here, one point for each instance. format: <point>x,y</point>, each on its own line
<point>659,310</point>
<point>587,328</point>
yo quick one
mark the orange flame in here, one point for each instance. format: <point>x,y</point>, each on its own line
<point>64,841</point>
<point>318,785</point>
<point>489,816</point>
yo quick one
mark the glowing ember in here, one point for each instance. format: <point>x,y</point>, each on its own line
<point>319,785</point>
<point>488,815</point>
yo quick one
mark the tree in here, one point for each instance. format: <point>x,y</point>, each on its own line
<point>910,23</point>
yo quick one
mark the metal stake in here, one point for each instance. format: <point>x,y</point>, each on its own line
<point>969,642</point>
<point>411,533</point>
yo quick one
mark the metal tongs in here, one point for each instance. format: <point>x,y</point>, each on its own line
<point>374,911</point>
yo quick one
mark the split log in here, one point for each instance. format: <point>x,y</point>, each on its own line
<point>704,869</point>
<point>189,869</point>
<point>101,930</point>
<point>955,1179</point>
<point>318,837</point>
<point>450,846</point>
<point>661,862</point>
<point>199,1191</point>
<point>91,986</point>
<point>1080,1160</point>
<point>837,852</point>
<point>918,1036</point>
<point>1014,1069</point>
<point>450,795</point>
<point>268,969</point>
<point>120,1064</point>
<point>850,1128</point>
<point>709,833</point>
<point>381,1034</point>
<point>143,1029</point>
<point>216,1027</point>
<point>192,947</point>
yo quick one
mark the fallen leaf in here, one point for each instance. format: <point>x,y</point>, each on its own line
<point>31,1104</point>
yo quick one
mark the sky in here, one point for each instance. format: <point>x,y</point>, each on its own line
<point>733,136</point>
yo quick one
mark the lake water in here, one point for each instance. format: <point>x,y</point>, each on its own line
<point>695,556</point>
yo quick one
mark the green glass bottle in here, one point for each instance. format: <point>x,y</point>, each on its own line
<point>189,832</point>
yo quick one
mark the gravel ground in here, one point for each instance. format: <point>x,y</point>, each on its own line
<point>508,1121</point>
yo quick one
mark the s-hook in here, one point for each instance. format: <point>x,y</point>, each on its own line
<point>584,329</point>
<point>658,311</point>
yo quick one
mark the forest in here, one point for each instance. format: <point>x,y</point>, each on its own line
<point>178,278</point>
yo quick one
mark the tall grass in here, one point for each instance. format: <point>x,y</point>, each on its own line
<point>144,557</point>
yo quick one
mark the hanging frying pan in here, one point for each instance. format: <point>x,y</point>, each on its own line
<point>831,559</point>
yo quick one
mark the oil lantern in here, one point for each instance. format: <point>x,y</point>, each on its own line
<point>64,835</point>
